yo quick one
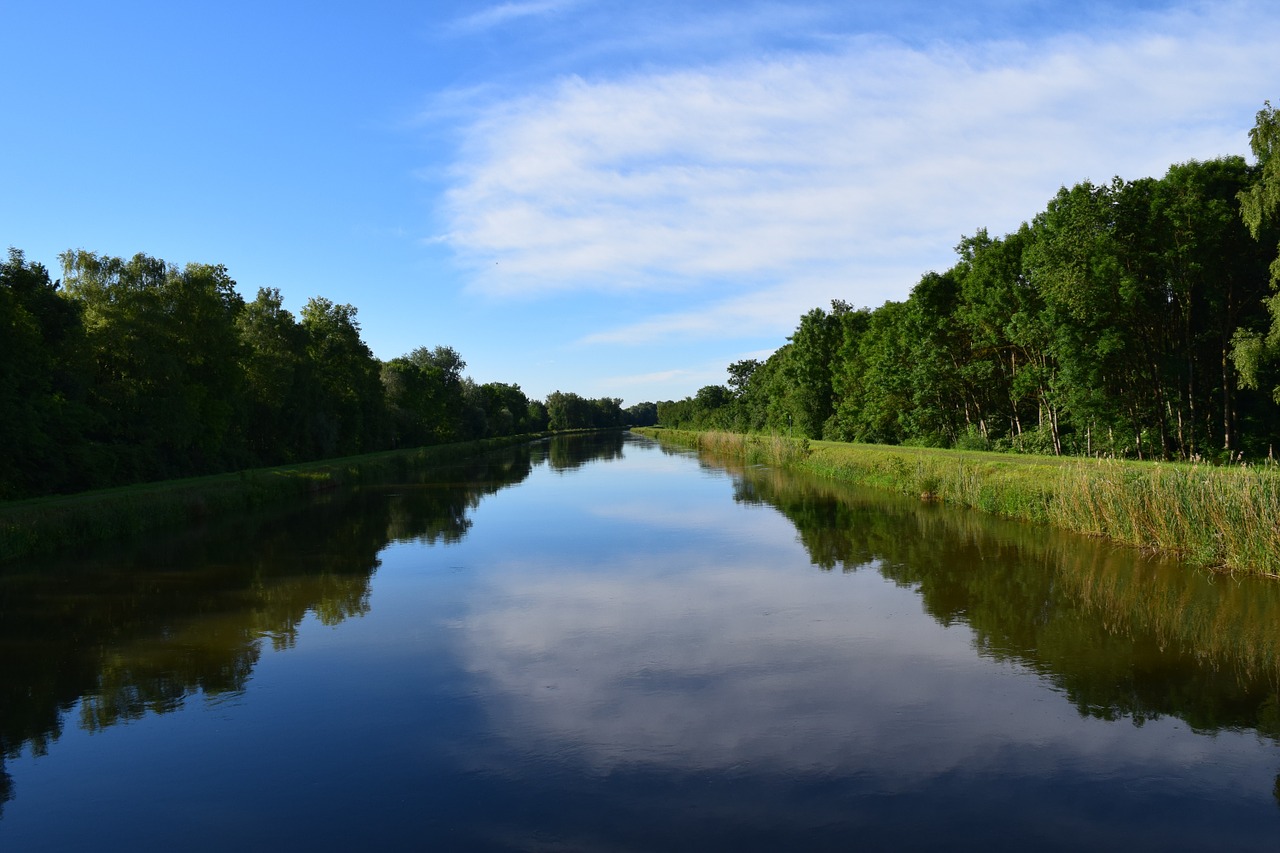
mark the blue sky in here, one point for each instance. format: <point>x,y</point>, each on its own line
<point>612,198</point>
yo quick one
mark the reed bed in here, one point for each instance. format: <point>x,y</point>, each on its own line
<point>1225,518</point>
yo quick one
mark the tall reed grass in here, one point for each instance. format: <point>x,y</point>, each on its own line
<point>1221,517</point>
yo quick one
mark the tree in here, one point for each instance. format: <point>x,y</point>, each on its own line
<point>445,413</point>
<point>280,384</point>
<point>505,408</point>
<point>1009,361</point>
<point>1257,356</point>
<point>42,364</point>
<point>348,415</point>
<point>1215,281</point>
<point>411,403</point>
<point>165,345</point>
<point>642,414</point>
<point>537,417</point>
<point>813,348</point>
<point>871,380</point>
<point>938,347</point>
<point>740,373</point>
<point>567,410</point>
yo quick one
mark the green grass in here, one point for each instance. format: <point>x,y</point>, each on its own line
<point>1220,517</point>
<point>45,525</point>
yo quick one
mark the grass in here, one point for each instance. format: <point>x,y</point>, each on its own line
<point>1219,517</point>
<point>46,525</point>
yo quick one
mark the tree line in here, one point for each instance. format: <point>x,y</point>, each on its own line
<point>1133,318</point>
<point>136,370</point>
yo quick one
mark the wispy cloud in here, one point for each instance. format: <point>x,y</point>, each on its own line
<point>757,189</point>
<point>504,13</point>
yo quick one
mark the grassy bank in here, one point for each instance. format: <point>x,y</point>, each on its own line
<point>45,525</point>
<point>1227,518</point>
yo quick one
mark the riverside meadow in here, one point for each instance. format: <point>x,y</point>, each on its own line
<point>1220,517</point>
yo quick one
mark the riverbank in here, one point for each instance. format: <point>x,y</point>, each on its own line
<point>45,525</point>
<point>1223,518</point>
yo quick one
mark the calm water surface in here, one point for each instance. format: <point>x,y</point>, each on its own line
<point>599,644</point>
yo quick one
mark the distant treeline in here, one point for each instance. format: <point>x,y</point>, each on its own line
<point>1137,318</point>
<point>135,370</point>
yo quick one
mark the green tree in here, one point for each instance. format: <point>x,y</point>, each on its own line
<point>165,345</point>
<point>1009,362</point>
<point>1214,276</point>
<point>873,383</point>
<point>445,412</point>
<point>503,408</point>
<point>347,417</point>
<point>411,402</point>
<point>280,385</point>
<point>813,349</point>
<point>941,400</point>
<point>1256,353</point>
<point>567,410</point>
<point>537,417</point>
<point>606,412</point>
<point>642,414</point>
<point>42,365</point>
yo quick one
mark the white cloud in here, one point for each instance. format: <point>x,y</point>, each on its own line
<point>766,187</point>
<point>648,378</point>
<point>716,668</point>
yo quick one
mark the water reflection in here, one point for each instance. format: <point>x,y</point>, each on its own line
<point>1123,634</point>
<point>718,659</point>
<point>569,452</point>
<point>628,659</point>
<point>141,630</point>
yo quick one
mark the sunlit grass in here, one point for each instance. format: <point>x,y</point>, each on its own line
<point>1221,517</point>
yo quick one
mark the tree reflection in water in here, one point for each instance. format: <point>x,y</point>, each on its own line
<point>1124,635</point>
<point>142,629</point>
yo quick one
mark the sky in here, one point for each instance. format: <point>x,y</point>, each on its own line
<point>617,199</point>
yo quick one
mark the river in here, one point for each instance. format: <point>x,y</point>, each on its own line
<point>598,643</point>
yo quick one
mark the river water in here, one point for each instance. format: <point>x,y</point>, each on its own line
<point>596,643</point>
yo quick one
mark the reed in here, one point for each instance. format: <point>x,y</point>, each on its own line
<point>1219,517</point>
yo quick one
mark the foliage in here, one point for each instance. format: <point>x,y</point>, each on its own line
<point>566,410</point>
<point>1126,319</point>
<point>131,371</point>
<point>43,358</point>
<point>1257,353</point>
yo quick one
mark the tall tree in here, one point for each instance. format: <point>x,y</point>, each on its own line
<point>279,382</point>
<point>42,367</point>
<point>1215,280</point>
<point>1009,362</point>
<point>813,349</point>
<point>165,346</point>
<point>442,368</point>
<point>567,410</point>
<point>348,417</point>
<point>1257,354</point>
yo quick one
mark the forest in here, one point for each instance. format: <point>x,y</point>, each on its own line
<point>1137,318</point>
<point>127,371</point>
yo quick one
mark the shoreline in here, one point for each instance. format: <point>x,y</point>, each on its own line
<point>1222,518</point>
<point>42,526</point>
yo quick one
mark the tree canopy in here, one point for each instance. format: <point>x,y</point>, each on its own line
<point>132,370</point>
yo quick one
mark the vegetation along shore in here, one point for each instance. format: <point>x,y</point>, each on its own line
<point>1223,517</point>
<point>58,523</point>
